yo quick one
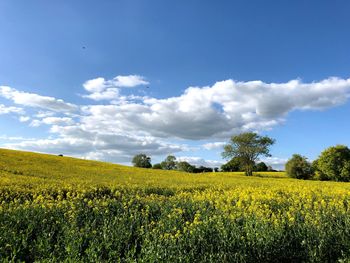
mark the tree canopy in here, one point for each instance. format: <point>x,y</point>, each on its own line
<point>334,164</point>
<point>169,163</point>
<point>248,147</point>
<point>232,165</point>
<point>142,160</point>
<point>185,167</point>
<point>298,167</point>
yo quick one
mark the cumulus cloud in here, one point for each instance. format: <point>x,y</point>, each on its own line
<point>24,118</point>
<point>35,100</point>
<point>127,125</point>
<point>219,111</point>
<point>7,110</point>
<point>77,141</point>
<point>102,89</point>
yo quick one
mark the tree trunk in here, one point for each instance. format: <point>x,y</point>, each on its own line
<point>248,170</point>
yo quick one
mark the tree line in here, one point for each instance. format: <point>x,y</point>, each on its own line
<point>170,163</point>
<point>244,150</point>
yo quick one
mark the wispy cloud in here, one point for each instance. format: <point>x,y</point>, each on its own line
<point>7,110</point>
<point>36,101</point>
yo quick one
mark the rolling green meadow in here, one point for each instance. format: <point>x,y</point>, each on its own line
<point>55,209</point>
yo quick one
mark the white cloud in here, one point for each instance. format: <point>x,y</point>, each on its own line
<point>52,121</point>
<point>24,118</point>
<point>102,89</point>
<point>35,100</point>
<point>130,81</point>
<point>77,140</point>
<point>108,94</point>
<point>7,110</point>
<point>44,114</point>
<point>276,162</point>
<point>198,161</point>
<point>213,145</point>
<point>218,111</point>
<point>128,125</point>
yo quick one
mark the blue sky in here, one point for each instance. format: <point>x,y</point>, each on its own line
<point>159,49</point>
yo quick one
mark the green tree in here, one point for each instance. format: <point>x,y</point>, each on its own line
<point>142,160</point>
<point>345,171</point>
<point>157,166</point>
<point>232,165</point>
<point>298,167</point>
<point>248,147</point>
<point>169,163</point>
<point>185,167</point>
<point>333,164</point>
<point>261,167</point>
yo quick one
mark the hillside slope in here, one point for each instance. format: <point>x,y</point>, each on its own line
<point>61,209</point>
<point>33,169</point>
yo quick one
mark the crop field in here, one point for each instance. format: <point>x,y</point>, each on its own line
<point>64,209</point>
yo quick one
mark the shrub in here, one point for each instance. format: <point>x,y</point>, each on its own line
<point>185,167</point>
<point>298,167</point>
<point>157,166</point>
<point>334,164</point>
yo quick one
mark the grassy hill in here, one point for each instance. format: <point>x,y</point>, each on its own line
<point>33,169</point>
<point>65,209</point>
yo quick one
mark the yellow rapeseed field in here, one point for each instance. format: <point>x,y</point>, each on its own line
<point>64,209</point>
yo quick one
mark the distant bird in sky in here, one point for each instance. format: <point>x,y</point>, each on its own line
<point>84,47</point>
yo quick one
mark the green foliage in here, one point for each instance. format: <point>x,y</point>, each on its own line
<point>298,167</point>
<point>261,167</point>
<point>142,161</point>
<point>203,169</point>
<point>185,167</point>
<point>248,147</point>
<point>333,164</point>
<point>169,163</point>
<point>345,171</point>
<point>232,165</point>
<point>157,166</point>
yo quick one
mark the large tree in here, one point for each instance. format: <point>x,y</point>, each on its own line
<point>169,163</point>
<point>142,160</point>
<point>334,164</point>
<point>247,147</point>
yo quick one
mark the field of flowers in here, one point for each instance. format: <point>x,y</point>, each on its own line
<point>63,209</point>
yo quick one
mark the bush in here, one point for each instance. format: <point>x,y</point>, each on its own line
<point>334,164</point>
<point>298,167</point>
<point>157,166</point>
<point>185,167</point>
